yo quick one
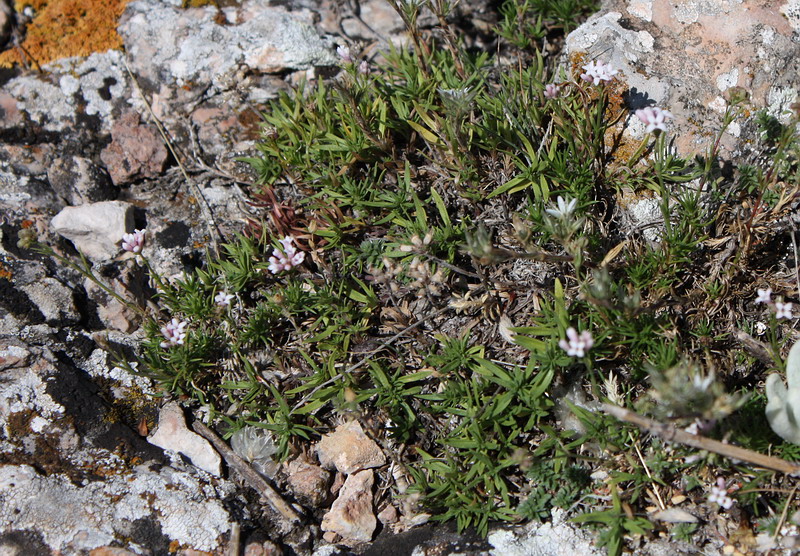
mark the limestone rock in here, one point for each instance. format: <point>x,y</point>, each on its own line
<point>351,515</point>
<point>172,434</point>
<point>54,300</point>
<point>136,151</point>
<point>558,537</point>
<point>308,482</point>
<point>95,229</point>
<point>685,56</point>
<point>78,181</point>
<point>348,449</point>
<point>170,44</point>
<point>74,519</point>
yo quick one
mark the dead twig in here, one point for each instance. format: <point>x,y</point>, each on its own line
<point>755,348</point>
<point>673,434</point>
<point>251,477</point>
<point>205,208</point>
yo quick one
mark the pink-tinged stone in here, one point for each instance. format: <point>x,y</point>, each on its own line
<point>348,449</point>
<point>308,482</point>
<point>388,515</point>
<point>136,151</point>
<point>686,57</point>
<point>110,551</point>
<point>351,515</point>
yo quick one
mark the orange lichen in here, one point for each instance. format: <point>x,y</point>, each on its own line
<point>64,28</point>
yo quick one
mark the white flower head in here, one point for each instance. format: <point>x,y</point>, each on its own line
<point>363,67</point>
<point>288,259</point>
<point>783,310</point>
<point>764,296</point>
<point>564,209</point>
<point>597,71</point>
<point>223,298</point>
<point>654,117</point>
<point>174,333</point>
<point>133,242</point>
<point>719,495</point>
<point>578,344</point>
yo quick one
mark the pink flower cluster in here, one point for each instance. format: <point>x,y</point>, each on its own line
<point>174,333</point>
<point>719,495</point>
<point>551,90</point>
<point>598,71</point>
<point>782,310</point>
<point>133,242</point>
<point>578,344</point>
<point>654,118</point>
<point>286,260</point>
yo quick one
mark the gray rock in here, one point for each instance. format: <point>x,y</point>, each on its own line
<point>98,83</point>
<point>172,434</point>
<point>348,449</point>
<point>558,537</point>
<point>172,45</point>
<point>24,388</point>
<point>686,56</point>
<point>78,181</point>
<point>20,193</point>
<point>54,300</point>
<point>351,516</point>
<point>74,519</point>
<point>95,229</point>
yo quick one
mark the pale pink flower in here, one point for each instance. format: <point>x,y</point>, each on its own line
<point>578,344</point>
<point>363,67</point>
<point>598,71</point>
<point>344,54</point>
<point>288,259</point>
<point>764,296</point>
<point>551,90</point>
<point>133,242</point>
<point>783,310</point>
<point>174,333</point>
<point>654,118</point>
<point>719,495</point>
<point>223,298</point>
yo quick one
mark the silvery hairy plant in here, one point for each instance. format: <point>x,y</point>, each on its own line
<point>783,404</point>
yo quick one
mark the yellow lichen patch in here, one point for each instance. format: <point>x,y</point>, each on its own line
<point>64,28</point>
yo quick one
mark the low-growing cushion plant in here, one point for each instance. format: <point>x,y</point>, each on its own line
<point>444,255</point>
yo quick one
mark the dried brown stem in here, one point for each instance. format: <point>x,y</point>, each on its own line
<point>673,434</point>
<point>251,477</point>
